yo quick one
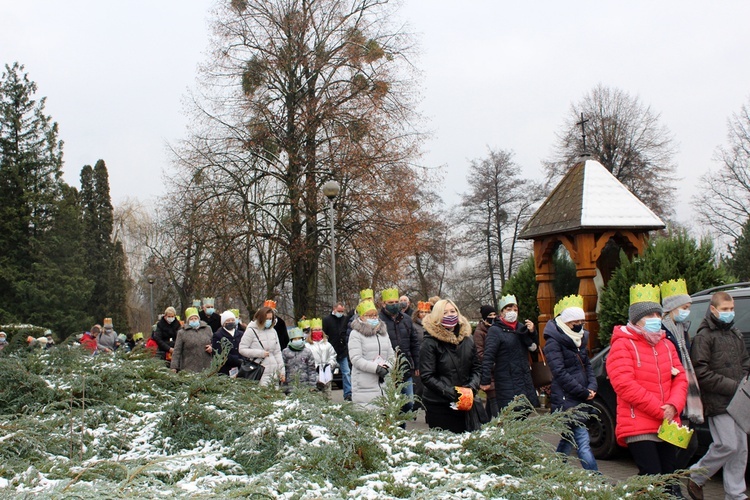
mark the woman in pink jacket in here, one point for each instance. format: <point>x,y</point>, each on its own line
<point>649,380</point>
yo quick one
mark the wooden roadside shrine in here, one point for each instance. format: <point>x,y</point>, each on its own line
<point>593,216</point>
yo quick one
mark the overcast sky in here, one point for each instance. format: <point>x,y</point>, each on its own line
<point>495,73</point>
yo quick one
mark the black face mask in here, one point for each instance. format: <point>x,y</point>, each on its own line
<point>577,328</point>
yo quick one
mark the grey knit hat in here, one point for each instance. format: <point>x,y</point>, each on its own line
<point>673,302</point>
<point>640,309</point>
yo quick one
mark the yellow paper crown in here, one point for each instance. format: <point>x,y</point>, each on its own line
<point>303,324</point>
<point>366,306</point>
<point>676,434</point>
<point>569,301</point>
<point>191,311</point>
<point>673,287</point>
<point>316,324</point>
<point>367,293</point>
<point>644,293</point>
<point>236,313</point>
<point>389,294</point>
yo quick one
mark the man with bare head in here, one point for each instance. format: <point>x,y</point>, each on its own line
<point>721,361</point>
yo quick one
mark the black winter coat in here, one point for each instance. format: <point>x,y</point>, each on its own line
<point>447,360</point>
<point>214,321</point>
<point>282,332</point>
<point>165,335</point>
<point>234,359</point>
<point>404,337</point>
<point>572,375</point>
<point>336,328</point>
<point>507,357</point>
<point>720,360</point>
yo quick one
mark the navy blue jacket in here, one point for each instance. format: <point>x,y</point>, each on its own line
<point>572,375</point>
<point>506,354</point>
<point>234,359</point>
<point>404,337</point>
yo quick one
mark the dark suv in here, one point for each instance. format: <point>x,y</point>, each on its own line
<point>603,442</point>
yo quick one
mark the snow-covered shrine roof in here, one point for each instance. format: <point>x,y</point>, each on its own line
<point>589,197</point>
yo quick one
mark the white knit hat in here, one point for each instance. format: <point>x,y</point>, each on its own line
<point>572,314</point>
<point>227,315</point>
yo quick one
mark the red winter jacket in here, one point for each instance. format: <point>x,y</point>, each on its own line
<point>641,375</point>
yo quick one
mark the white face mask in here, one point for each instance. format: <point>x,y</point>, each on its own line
<point>169,320</point>
<point>511,316</point>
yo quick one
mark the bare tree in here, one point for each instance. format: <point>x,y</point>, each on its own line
<point>495,209</point>
<point>627,138</point>
<point>724,202</point>
<point>298,92</point>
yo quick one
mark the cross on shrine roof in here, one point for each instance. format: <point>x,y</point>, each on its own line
<point>590,197</point>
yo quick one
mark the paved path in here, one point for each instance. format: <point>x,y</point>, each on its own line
<point>619,468</point>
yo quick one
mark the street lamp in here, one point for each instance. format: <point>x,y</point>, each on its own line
<point>331,190</point>
<point>151,280</point>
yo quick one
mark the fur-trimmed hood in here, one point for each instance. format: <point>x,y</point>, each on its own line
<point>368,330</point>
<point>438,331</point>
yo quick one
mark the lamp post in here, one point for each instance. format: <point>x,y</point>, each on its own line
<point>331,190</point>
<point>151,286</point>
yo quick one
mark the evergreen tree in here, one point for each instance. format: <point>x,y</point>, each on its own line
<point>30,186</point>
<point>117,289</point>
<point>672,257</point>
<point>739,261</point>
<point>98,220</point>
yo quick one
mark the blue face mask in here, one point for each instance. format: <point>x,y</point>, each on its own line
<point>652,325</point>
<point>338,314</point>
<point>726,316</point>
<point>268,323</point>
<point>373,321</point>
<point>681,315</point>
<point>194,324</point>
<point>210,310</point>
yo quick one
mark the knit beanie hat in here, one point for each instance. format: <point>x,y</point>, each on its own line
<point>486,311</point>
<point>227,315</point>
<point>674,294</point>
<point>572,314</point>
<point>637,311</point>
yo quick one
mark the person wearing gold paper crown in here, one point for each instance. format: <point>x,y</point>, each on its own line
<point>324,354</point>
<point>209,315</point>
<point>448,364</point>
<point>573,380</point>
<point>676,304</point>
<point>721,362</point>
<point>506,355</point>
<point>260,341</point>
<point>649,380</point>
<point>370,352</point>
<point>404,338</point>
<point>192,348</point>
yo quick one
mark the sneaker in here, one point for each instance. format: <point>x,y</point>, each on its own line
<point>694,490</point>
<point>348,398</point>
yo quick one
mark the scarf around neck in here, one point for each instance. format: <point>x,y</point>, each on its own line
<point>576,337</point>
<point>652,338</point>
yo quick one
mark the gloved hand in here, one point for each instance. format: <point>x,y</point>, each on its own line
<point>382,371</point>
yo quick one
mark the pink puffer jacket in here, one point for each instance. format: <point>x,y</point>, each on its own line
<point>644,380</point>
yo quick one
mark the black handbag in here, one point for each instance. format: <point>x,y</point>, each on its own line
<point>251,369</point>
<point>541,374</point>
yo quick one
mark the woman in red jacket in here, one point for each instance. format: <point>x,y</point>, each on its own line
<point>649,380</point>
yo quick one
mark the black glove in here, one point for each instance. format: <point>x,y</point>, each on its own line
<point>382,371</point>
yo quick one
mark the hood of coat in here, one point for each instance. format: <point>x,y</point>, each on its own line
<point>438,331</point>
<point>367,329</point>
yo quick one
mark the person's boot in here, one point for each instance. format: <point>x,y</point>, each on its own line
<point>694,490</point>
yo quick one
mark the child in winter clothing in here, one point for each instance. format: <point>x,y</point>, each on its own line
<point>324,355</point>
<point>299,361</point>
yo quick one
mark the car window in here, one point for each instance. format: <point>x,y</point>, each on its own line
<point>697,313</point>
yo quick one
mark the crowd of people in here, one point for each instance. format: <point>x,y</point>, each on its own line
<point>659,376</point>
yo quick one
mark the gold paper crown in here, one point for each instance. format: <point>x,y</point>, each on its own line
<point>676,434</point>
<point>316,324</point>
<point>424,306</point>
<point>366,306</point>
<point>673,287</point>
<point>191,311</point>
<point>569,301</point>
<point>507,300</point>
<point>303,324</point>
<point>208,301</point>
<point>270,303</point>
<point>389,294</point>
<point>644,293</point>
<point>367,293</point>
<point>236,313</point>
